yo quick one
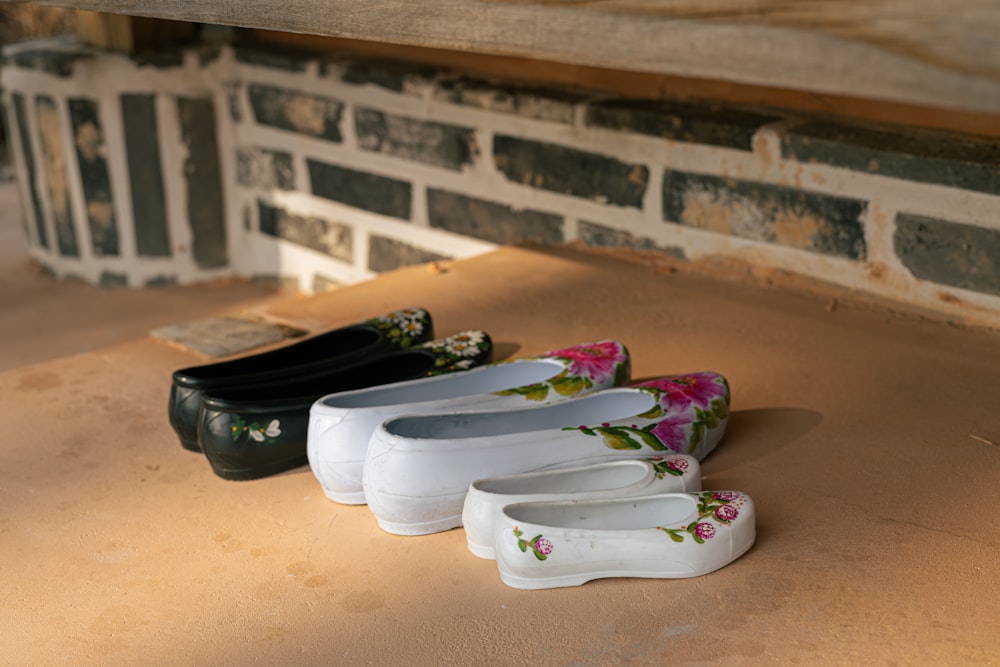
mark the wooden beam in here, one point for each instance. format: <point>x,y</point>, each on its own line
<point>931,53</point>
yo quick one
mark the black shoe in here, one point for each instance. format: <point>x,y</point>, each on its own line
<point>325,352</point>
<point>259,430</point>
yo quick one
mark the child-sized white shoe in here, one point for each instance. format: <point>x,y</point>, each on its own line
<point>668,536</point>
<point>614,479</point>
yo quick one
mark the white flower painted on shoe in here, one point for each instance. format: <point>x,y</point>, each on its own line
<point>273,429</point>
<point>465,344</point>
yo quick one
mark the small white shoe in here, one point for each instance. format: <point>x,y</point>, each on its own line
<point>419,467</point>
<point>668,536</point>
<point>341,424</point>
<point>615,479</point>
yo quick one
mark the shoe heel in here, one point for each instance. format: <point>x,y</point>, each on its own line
<point>247,474</point>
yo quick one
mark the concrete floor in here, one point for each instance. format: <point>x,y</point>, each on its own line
<point>860,434</point>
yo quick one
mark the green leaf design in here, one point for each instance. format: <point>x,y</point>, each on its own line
<point>651,440</point>
<point>697,432</point>
<point>622,373</point>
<point>569,386</point>
<point>720,409</point>
<point>539,555</point>
<point>618,438</point>
<point>653,413</point>
<point>522,545</point>
<point>674,536</point>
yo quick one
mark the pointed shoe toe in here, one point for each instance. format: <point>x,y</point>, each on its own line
<point>667,536</point>
<point>419,467</point>
<point>329,351</point>
<point>261,430</point>
<point>341,424</point>
<point>614,479</point>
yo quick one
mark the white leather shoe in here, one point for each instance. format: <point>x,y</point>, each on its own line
<point>615,479</point>
<point>668,536</point>
<point>419,467</point>
<point>341,424</point>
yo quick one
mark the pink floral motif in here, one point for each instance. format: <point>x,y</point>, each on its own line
<point>672,433</point>
<point>683,390</point>
<point>543,546</point>
<point>705,531</point>
<point>726,513</point>
<point>726,496</point>
<point>677,463</point>
<point>598,361</point>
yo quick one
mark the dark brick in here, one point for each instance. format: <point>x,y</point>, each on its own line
<point>388,75</point>
<point>704,124</point>
<point>283,60</point>
<point>145,173</point>
<point>205,207</point>
<point>386,254</point>
<point>54,164</point>
<point>158,58</point>
<point>923,156</point>
<point>161,281</point>
<point>422,141</point>
<point>770,213</point>
<point>264,168</point>
<point>331,238</point>
<point>109,279</point>
<point>949,253</point>
<point>570,171</point>
<point>599,236</point>
<point>208,54</point>
<point>89,140</point>
<point>28,153</point>
<point>490,221</point>
<point>540,104</point>
<point>58,63</point>
<point>297,112</point>
<point>360,189</point>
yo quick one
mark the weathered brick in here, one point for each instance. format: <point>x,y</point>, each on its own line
<point>490,221</point>
<point>385,254</point>
<point>298,112</point>
<point>90,149</point>
<point>915,155</point>
<point>360,189</point>
<point>600,236</point>
<point>549,105</point>
<point>54,165</point>
<point>145,173</point>
<point>28,154</point>
<point>57,63</point>
<point>704,124</point>
<point>205,206</point>
<point>438,144</point>
<point>161,281</point>
<point>322,284</point>
<point>234,99</point>
<point>284,60</point>
<point>949,253</point>
<point>570,171</point>
<point>111,279</point>
<point>770,213</point>
<point>264,168</point>
<point>331,238</point>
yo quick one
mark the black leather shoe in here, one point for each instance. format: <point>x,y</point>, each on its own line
<point>325,352</point>
<point>261,429</point>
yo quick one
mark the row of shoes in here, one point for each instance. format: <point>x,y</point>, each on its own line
<point>567,458</point>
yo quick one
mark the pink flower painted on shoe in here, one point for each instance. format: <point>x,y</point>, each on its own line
<point>672,432</point>
<point>543,546</point>
<point>598,361</point>
<point>705,531</point>
<point>677,463</point>
<point>725,496</point>
<point>683,390</point>
<point>726,513</point>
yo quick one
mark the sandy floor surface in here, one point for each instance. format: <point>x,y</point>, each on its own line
<point>862,435</point>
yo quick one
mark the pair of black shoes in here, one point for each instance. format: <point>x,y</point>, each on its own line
<point>250,416</point>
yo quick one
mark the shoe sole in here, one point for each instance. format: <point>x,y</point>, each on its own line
<point>191,445</point>
<point>246,474</point>
<point>537,583</point>
<point>436,526</point>
<point>353,498</point>
<point>482,551</point>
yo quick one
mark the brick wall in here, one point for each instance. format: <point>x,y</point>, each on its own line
<point>316,172</point>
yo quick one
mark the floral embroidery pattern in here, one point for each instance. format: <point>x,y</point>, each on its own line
<point>459,352</point>
<point>539,545</point>
<point>669,465</point>
<point>403,327</point>
<point>697,402</point>
<point>587,364</point>
<point>714,507</point>
<point>255,431</point>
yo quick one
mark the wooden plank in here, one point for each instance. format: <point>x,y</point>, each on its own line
<point>936,53</point>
